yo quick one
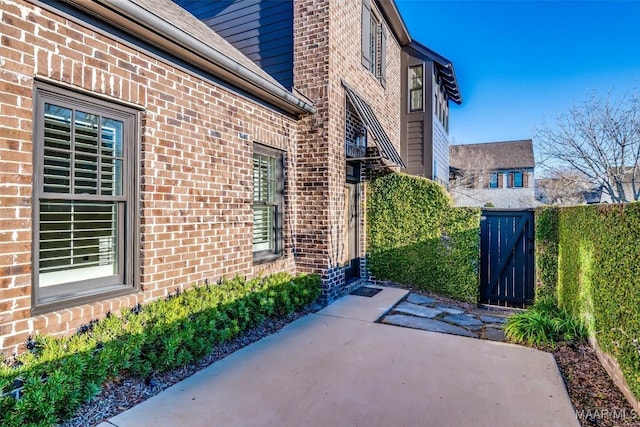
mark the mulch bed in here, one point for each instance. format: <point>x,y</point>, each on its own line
<point>596,399</point>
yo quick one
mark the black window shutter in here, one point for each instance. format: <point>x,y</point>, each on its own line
<point>366,33</point>
<point>383,56</point>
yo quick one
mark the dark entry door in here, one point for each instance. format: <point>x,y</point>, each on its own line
<point>352,231</point>
<point>507,258</point>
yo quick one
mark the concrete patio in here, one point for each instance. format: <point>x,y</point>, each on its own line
<point>338,368</point>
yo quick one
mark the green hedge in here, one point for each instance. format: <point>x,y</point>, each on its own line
<point>417,237</point>
<point>58,374</point>
<point>546,252</point>
<point>598,277</point>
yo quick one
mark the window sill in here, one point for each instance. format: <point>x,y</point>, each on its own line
<point>259,259</point>
<point>54,303</point>
<point>376,78</point>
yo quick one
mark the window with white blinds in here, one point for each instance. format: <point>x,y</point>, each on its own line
<point>85,207</point>
<point>267,201</point>
<point>78,240</point>
<point>416,90</point>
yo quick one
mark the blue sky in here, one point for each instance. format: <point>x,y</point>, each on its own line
<point>519,62</point>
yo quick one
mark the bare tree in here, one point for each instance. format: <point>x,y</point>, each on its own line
<point>600,138</point>
<point>564,187</point>
<point>465,178</point>
<point>463,187</point>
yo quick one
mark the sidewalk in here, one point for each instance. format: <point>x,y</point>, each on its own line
<point>339,368</point>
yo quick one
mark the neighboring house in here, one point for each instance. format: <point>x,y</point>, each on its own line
<point>629,185</point>
<point>431,83</point>
<point>566,189</point>
<point>142,152</point>
<point>572,189</point>
<point>496,174</point>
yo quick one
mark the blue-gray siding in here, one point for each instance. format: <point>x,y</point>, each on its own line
<point>415,147</point>
<point>261,29</point>
<point>440,152</point>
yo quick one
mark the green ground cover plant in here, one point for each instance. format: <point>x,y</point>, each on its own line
<point>597,276</point>
<point>417,237</point>
<point>545,325</point>
<point>48,382</point>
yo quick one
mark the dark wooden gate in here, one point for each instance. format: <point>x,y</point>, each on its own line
<point>507,275</point>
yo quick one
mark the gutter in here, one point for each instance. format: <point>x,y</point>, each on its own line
<point>399,29</point>
<point>418,48</point>
<point>141,22</point>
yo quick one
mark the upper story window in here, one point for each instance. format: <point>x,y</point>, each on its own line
<point>268,198</point>
<point>516,180</point>
<point>493,180</point>
<point>374,45</point>
<point>440,104</point>
<point>416,86</point>
<point>374,42</point>
<point>85,192</point>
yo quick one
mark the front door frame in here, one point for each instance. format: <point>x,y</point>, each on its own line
<point>352,222</point>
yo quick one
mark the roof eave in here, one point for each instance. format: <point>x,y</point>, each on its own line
<point>444,68</point>
<point>395,21</point>
<point>138,21</point>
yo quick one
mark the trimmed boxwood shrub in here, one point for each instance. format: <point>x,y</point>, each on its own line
<point>416,236</point>
<point>598,277</point>
<point>56,375</point>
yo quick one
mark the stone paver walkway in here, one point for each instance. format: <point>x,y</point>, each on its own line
<point>421,312</point>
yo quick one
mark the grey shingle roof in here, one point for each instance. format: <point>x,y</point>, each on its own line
<point>492,155</point>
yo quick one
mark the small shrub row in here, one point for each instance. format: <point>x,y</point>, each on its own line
<point>417,237</point>
<point>56,375</point>
<point>545,325</point>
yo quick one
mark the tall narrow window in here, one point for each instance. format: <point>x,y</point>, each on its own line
<point>517,179</point>
<point>493,180</point>
<point>85,187</point>
<point>374,41</point>
<point>416,88</point>
<point>267,203</point>
<point>374,45</point>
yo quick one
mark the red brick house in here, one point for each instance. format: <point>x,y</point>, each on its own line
<point>141,152</point>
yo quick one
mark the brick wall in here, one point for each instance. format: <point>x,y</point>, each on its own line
<point>615,372</point>
<point>327,49</point>
<point>310,75</point>
<point>195,168</point>
<point>195,165</point>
